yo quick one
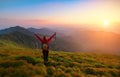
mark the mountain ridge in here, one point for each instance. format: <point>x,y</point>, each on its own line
<point>28,39</point>
<point>77,40</point>
<point>16,28</point>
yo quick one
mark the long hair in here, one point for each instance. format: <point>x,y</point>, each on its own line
<point>44,38</point>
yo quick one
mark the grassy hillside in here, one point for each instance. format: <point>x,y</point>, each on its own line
<point>16,61</point>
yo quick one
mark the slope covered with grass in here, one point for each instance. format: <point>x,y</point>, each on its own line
<point>16,61</point>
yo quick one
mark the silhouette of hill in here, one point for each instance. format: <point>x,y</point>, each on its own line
<point>27,38</point>
<point>20,38</point>
<point>47,31</point>
<point>42,31</point>
<point>18,29</point>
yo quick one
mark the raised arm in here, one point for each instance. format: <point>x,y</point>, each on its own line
<point>49,39</point>
<point>38,36</point>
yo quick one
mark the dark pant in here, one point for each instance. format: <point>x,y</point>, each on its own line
<point>45,56</point>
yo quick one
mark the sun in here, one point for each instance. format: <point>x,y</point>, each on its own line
<point>106,22</point>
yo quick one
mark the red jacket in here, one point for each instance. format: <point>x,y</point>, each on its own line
<point>44,40</point>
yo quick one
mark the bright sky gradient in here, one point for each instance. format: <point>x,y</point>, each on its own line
<point>58,12</point>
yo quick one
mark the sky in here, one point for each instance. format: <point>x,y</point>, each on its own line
<point>67,13</point>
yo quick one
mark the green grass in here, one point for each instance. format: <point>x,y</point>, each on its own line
<point>16,61</point>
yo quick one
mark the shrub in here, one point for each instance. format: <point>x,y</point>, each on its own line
<point>84,65</point>
<point>21,73</point>
<point>16,72</point>
<point>101,72</point>
<point>90,71</point>
<point>74,74</point>
<point>3,55</point>
<point>99,65</point>
<point>115,73</point>
<point>40,70</point>
<point>63,67</point>
<point>29,59</point>
<point>62,74</point>
<point>52,63</point>
<point>9,63</point>
<point>113,66</point>
<point>68,70</point>
<point>2,72</point>
<point>51,71</point>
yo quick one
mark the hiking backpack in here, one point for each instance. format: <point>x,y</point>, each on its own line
<point>45,47</point>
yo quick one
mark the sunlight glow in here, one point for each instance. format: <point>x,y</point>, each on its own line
<point>106,22</point>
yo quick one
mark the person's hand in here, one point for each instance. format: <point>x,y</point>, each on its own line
<point>35,32</point>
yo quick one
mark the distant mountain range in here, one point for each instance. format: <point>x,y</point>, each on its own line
<point>18,29</point>
<point>26,37</point>
<point>72,40</point>
<point>43,31</point>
